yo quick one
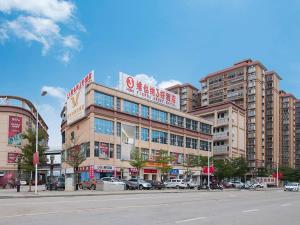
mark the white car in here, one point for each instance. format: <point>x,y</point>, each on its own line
<point>291,186</point>
<point>176,183</point>
<point>191,184</point>
<point>112,180</point>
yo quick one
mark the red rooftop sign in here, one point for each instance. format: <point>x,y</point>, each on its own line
<point>145,90</point>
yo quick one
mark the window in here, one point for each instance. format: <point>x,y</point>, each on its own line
<point>118,104</point>
<point>194,143</point>
<point>130,107</point>
<point>118,151</point>
<point>96,149</point>
<point>205,128</point>
<point>188,123</point>
<point>159,137</point>
<point>118,129</point>
<point>104,100</point>
<point>104,126</point>
<point>111,151</point>
<point>188,142</point>
<point>145,134</point>
<point>194,125</point>
<point>63,137</point>
<point>145,112</point>
<point>160,116</point>
<point>145,154</point>
<point>72,135</point>
<point>137,132</point>
<point>176,140</point>
<point>85,148</point>
<point>176,120</point>
<point>205,145</point>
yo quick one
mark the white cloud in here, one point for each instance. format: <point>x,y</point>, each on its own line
<point>56,92</point>
<point>151,80</point>
<point>41,22</point>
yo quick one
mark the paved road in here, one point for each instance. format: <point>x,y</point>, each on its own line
<point>214,208</point>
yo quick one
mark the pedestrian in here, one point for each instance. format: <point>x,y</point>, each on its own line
<point>18,184</point>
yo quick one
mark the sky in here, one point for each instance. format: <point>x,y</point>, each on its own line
<point>52,44</point>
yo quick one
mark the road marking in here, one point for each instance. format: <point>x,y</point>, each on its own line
<point>285,205</point>
<point>250,210</point>
<point>192,219</point>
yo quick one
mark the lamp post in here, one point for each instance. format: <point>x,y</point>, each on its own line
<point>208,170</point>
<point>36,144</point>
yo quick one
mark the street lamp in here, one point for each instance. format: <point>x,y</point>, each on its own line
<point>36,144</point>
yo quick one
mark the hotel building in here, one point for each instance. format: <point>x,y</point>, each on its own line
<point>104,129</point>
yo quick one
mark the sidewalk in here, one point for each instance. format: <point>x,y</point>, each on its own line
<point>42,193</point>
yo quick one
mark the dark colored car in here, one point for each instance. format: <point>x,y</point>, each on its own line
<point>130,185</point>
<point>156,184</point>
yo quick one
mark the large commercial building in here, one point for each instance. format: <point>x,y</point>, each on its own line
<point>16,116</point>
<point>229,132</point>
<point>114,123</point>
<point>287,129</point>
<point>249,85</point>
<point>297,134</point>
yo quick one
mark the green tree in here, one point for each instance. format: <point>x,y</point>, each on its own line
<point>223,168</point>
<point>137,161</point>
<point>240,167</point>
<point>74,157</point>
<point>164,160</point>
<point>28,150</point>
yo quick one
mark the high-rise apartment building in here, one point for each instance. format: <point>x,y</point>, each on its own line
<point>287,129</point>
<point>297,134</point>
<point>245,84</point>
<point>190,97</point>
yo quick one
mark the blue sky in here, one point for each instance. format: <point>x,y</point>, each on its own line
<point>54,43</point>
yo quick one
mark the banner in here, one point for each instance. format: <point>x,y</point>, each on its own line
<point>14,130</point>
<point>142,89</point>
<point>12,157</point>
<point>103,150</point>
<point>76,99</point>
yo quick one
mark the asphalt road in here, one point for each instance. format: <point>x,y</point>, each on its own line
<point>228,208</point>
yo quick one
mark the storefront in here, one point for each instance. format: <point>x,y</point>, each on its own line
<point>101,171</point>
<point>150,174</point>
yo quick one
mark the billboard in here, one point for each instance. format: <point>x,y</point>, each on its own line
<point>142,89</point>
<point>76,99</point>
<point>103,150</point>
<point>14,130</point>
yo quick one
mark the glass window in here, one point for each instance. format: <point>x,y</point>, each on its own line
<point>111,150</point>
<point>118,129</point>
<point>137,132</point>
<point>159,137</point>
<point>145,134</point>
<point>204,145</point>
<point>130,107</point>
<point>188,142</point>
<point>176,140</point>
<point>158,115</point>
<point>145,112</point>
<point>118,151</point>
<point>205,128</point>
<point>194,125</point>
<point>63,137</point>
<point>188,123</point>
<point>180,141</point>
<point>173,119</point>
<point>145,154</point>
<point>104,100</point>
<point>118,104</point>
<point>194,143</point>
<point>85,148</point>
<point>103,126</point>
<point>173,139</point>
<point>96,149</point>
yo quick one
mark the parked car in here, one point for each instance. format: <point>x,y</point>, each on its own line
<point>57,183</point>
<point>238,184</point>
<point>112,180</point>
<point>176,183</point>
<point>130,185</point>
<point>253,185</point>
<point>291,186</point>
<point>191,184</point>
<point>227,184</point>
<point>88,184</point>
<point>141,183</point>
<point>156,184</point>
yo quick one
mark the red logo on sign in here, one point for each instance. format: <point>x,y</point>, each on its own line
<point>130,82</point>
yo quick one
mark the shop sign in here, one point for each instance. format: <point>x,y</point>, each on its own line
<point>133,171</point>
<point>153,164</point>
<point>150,171</point>
<point>69,170</point>
<point>12,157</point>
<point>91,172</point>
<point>103,150</point>
<point>211,169</point>
<point>83,168</point>
<point>174,171</point>
<point>104,168</point>
<point>76,99</point>
<point>145,90</point>
<point>14,130</point>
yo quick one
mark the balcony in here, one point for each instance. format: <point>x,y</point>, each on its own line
<point>220,150</point>
<point>222,121</point>
<point>221,136</point>
<point>235,94</point>
<point>236,79</point>
<point>252,77</point>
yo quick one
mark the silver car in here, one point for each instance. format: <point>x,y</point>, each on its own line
<point>291,186</point>
<point>141,183</point>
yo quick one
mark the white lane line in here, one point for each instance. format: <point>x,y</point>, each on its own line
<point>250,210</point>
<point>285,205</point>
<point>192,219</point>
